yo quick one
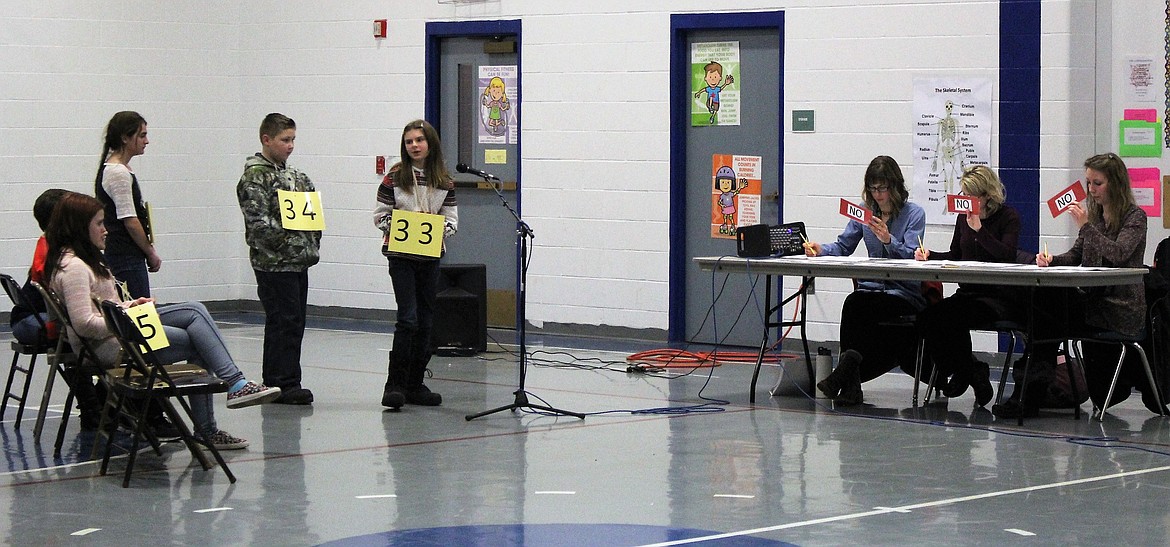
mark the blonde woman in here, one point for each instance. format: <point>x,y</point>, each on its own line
<point>990,236</point>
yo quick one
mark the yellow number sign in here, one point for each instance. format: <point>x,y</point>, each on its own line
<point>301,210</point>
<point>145,317</point>
<point>415,233</point>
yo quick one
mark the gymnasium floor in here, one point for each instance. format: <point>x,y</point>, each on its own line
<point>660,460</point>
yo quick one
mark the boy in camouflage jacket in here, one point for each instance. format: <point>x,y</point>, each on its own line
<point>280,257</point>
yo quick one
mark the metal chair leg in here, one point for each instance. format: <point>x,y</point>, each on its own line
<point>1112,386</point>
<point>1149,375</point>
<point>1007,364</point>
<point>918,370</point>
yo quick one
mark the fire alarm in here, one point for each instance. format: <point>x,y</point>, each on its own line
<point>380,165</point>
<point>379,28</point>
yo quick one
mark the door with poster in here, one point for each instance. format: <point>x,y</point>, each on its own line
<point>478,122</point>
<point>733,174</point>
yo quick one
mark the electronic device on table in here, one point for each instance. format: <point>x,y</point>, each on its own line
<point>763,240</point>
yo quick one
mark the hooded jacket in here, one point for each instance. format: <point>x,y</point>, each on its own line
<point>272,248</point>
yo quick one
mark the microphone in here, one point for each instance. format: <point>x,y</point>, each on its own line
<point>463,168</point>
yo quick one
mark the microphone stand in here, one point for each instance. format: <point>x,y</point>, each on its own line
<point>523,235</point>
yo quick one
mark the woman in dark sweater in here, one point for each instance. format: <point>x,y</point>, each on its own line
<point>1112,234</point>
<point>990,236</point>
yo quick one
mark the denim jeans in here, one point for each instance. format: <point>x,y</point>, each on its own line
<point>131,270</point>
<point>194,337</point>
<point>28,330</point>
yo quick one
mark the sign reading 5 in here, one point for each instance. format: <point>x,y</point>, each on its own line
<point>301,210</point>
<point>146,318</point>
<point>415,233</point>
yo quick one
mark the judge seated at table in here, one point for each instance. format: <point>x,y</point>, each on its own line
<point>869,347</point>
<point>991,235</point>
<point>1113,234</point>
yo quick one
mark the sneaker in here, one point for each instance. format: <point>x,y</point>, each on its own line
<point>294,396</point>
<point>222,440</point>
<point>423,396</point>
<point>162,428</point>
<point>252,394</point>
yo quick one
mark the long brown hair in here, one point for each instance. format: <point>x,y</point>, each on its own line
<point>69,231</point>
<point>1120,194</point>
<point>123,125</point>
<point>434,169</point>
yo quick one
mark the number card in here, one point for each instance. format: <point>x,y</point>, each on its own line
<point>149,223</point>
<point>960,204</point>
<point>145,317</point>
<point>415,233</point>
<point>301,210</point>
<point>1061,202</point>
<point>855,212</point>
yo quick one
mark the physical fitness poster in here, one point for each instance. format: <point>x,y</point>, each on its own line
<point>715,83</point>
<point>736,184</point>
<point>497,105</point>
<point>952,131</point>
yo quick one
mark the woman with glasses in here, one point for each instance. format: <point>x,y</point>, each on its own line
<point>989,236</point>
<point>869,349</point>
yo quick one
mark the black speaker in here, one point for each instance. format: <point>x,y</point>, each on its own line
<point>460,310</point>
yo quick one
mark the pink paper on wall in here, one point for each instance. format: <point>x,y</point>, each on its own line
<point>1147,189</point>
<point>1142,114</point>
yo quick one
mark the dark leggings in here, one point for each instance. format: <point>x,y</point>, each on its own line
<point>863,329</point>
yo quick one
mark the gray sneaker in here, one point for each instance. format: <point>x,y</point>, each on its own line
<point>252,394</point>
<point>222,440</point>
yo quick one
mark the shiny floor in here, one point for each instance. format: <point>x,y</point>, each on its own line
<point>661,459</point>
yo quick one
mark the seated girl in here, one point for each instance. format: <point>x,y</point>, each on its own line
<point>77,272</point>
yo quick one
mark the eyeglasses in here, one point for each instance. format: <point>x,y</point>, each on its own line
<point>877,189</point>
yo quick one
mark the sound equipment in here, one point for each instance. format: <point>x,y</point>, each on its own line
<point>460,326</point>
<point>762,240</point>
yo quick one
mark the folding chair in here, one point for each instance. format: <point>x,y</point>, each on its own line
<point>65,361</point>
<point>144,379</point>
<point>40,347</point>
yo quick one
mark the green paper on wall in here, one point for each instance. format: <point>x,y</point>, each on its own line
<point>1139,138</point>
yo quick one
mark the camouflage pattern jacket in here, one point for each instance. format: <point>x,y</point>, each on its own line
<point>271,247</point>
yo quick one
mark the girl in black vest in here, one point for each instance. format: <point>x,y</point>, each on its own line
<point>129,249</point>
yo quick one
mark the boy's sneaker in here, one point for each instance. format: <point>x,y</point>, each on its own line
<point>222,440</point>
<point>295,396</point>
<point>251,394</point>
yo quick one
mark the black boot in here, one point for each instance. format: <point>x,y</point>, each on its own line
<point>849,367</point>
<point>841,376</point>
<point>393,395</point>
<point>981,383</point>
<point>418,393</point>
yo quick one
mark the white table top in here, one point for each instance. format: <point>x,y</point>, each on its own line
<point>991,273</point>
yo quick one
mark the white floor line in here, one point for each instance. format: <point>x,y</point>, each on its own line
<point>907,508</point>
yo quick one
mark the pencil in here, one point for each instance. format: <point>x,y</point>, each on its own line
<point>1046,255</point>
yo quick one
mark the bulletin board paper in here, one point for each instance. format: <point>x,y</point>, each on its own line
<point>1147,189</point>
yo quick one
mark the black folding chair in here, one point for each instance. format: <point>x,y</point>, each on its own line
<point>42,346</point>
<point>66,362</point>
<point>144,380</point>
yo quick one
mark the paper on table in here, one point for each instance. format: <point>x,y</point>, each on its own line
<point>850,259</point>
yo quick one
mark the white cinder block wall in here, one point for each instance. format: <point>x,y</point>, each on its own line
<point>205,75</point>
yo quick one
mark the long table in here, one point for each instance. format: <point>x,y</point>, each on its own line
<point>808,268</point>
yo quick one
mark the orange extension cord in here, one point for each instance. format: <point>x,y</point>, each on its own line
<point>677,358</point>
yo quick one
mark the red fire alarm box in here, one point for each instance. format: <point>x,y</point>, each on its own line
<point>379,28</point>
